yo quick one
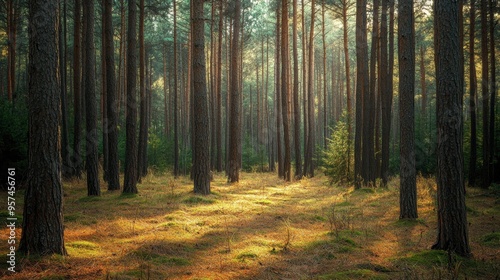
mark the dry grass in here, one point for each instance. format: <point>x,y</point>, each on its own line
<point>261,228</point>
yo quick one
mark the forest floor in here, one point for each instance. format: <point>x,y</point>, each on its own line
<point>260,228</point>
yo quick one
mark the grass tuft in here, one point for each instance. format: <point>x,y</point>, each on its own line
<point>198,200</point>
<point>491,239</point>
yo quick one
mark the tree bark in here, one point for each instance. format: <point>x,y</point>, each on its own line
<point>406,58</point>
<point>65,148</point>
<point>201,167</point>
<point>92,157</point>
<point>452,214</point>
<point>77,159</point>
<point>472,96</point>
<point>219,90</point>
<point>485,94</point>
<point>296,110</point>
<point>112,112</point>
<point>130,182</point>
<point>309,171</point>
<point>287,170</point>
<point>493,92</point>
<point>176,97</point>
<point>361,87</point>
<point>386,94</point>
<point>143,124</point>
<point>43,229</point>
<point>234,127</point>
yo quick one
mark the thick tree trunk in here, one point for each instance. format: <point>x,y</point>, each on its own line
<point>406,58</point>
<point>130,182</point>
<point>347,81</point>
<point>92,157</point>
<point>43,229</point>
<point>234,127</point>
<point>112,108</point>
<point>452,214</point>
<point>201,167</point>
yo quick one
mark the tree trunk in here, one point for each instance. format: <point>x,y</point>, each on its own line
<point>104,111</point>
<point>309,171</point>
<point>234,127</point>
<point>361,87</point>
<point>296,107</point>
<point>277,101</point>
<point>92,159</point>
<point>347,81</point>
<point>65,148</point>
<point>112,112</point>
<point>485,94</point>
<point>325,102</point>
<point>452,214</point>
<point>472,96</point>
<point>386,95</point>
<point>43,229</point>
<point>143,125</point>
<point>406,58</point>
<point>176,97</point>
<point>304,85</point>
<point>77,159</point>
<point>130,182</point>
<point>287,171</point>
<point>201,167</point>
<point>493,92</point>
<point>219,90</point>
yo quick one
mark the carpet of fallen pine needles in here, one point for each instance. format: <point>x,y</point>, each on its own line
<point>260,228</point>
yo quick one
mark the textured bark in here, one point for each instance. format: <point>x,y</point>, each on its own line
<point>277,100</point>
<point>406,58</point>
<point>104,101</point>
<point>452,214</point>
<point>234,127</point>
<point>347,68</point>
<point>386,96</point>
<point>296,107</point>
<point>219,90</point>
<point>143,124</point>
<point>325,99</point>
<point>76,160</point>
<point>92,157</point>
<point>472,96</point>
<point>201,167</point>
<point>485,95</point>
<point>287,170</point>
<point>176,98</point>
<point>309,166</point>
<point>304,83</point>
<point>112,108</point>
<point>130,183</point>
<point>493,91</point>
<point>65,148</point>
<point>369,102</point>
<point>361,87</point>
<point>43,230</point>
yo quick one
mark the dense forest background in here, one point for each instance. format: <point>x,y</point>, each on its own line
<point>166,85</point>
<point>319,120</point>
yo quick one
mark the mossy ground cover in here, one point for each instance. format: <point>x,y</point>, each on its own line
<point>260,228</point>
